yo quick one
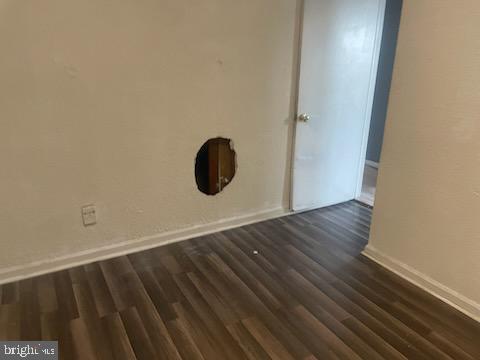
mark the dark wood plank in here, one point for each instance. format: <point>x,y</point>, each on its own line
<point>118,339</point>
<point>139,339</point>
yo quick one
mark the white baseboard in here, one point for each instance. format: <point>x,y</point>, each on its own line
<point>46,266</point>
<point>372,164</point>
<point>440,291</point>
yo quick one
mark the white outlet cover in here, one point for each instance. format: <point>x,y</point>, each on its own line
<point>89,215</point>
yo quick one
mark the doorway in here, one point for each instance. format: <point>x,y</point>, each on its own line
<point>388,48</point>
<point>338,84</point>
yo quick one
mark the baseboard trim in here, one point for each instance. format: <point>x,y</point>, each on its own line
<point>372,164</point>
<point>46,266</point>
<point>440,291</point>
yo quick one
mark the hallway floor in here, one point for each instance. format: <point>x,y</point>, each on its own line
<point>369,185</point>
<point>290,288</point>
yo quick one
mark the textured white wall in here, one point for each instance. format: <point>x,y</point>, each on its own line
<point>427,213</point>
<point>107,102</point>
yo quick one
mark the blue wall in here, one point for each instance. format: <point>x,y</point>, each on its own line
<point>384,78</point>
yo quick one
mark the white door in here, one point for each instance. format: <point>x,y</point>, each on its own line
<point>339,61</point>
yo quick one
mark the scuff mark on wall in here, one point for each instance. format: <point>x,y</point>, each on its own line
<point>70,70</point>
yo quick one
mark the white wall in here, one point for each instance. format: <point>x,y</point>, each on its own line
<point>107,102</point>
<point>427,213</point>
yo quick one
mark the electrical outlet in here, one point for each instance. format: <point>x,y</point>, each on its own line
<point>89,215</point>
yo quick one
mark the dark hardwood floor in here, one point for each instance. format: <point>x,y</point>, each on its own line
<point>291,288</point>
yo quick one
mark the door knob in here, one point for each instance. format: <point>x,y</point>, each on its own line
<point>304,117</point>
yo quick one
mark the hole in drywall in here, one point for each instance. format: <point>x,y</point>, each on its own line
<point>215,166</point>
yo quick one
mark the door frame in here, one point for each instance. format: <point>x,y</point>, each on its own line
<point>368,108</point>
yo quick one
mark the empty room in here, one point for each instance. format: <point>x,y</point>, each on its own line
<point>255,179</point>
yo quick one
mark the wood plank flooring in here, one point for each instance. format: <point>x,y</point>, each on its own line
<point>291,288</point>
